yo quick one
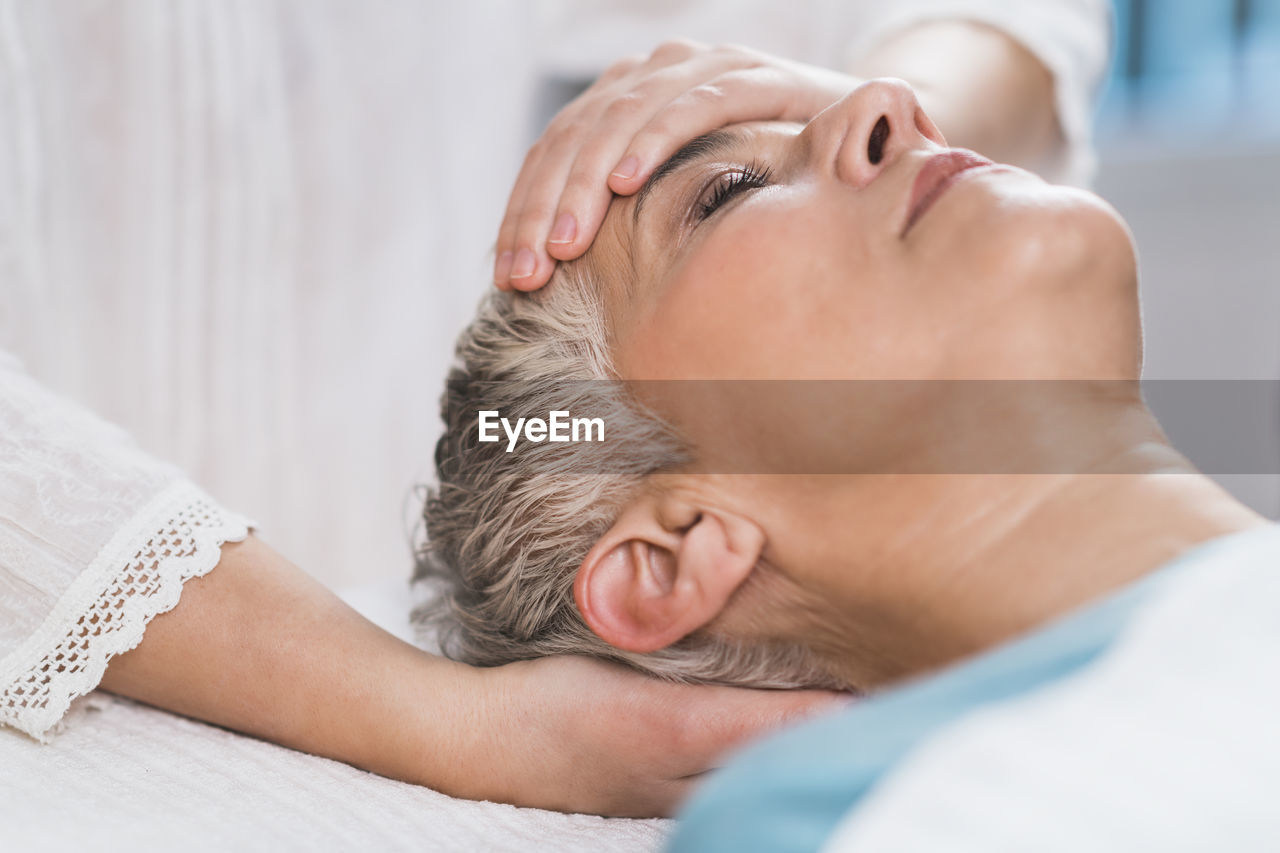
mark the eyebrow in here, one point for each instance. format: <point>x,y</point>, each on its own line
<point>698,148</point>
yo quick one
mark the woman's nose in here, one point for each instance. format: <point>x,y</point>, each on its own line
<point>864,132</point>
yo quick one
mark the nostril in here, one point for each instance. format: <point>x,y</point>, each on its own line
<point>875,145</point>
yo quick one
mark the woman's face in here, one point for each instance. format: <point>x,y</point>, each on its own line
<point>855,247</point>
<point>848,249</point>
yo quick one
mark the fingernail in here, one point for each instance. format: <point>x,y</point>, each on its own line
<point>564,230</point>
<point>502,269</point>
<point>627,168</point>
<point>525,262</point>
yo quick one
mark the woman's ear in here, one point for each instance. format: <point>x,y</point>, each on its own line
<point>664,569</point>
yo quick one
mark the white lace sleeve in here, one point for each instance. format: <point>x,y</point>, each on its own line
<point>96,538</point>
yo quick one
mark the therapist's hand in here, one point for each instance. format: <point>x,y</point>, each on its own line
<point>259,646</point>
<point>580,735</point>
<point>612,137</point>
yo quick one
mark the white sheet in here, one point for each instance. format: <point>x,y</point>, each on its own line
<point>1168,742</point>
<point>123,776</point>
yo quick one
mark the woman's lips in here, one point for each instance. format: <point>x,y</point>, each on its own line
<point>935,177</point>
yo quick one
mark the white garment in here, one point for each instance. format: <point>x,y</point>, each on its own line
<point>1168,742</point>
<point>248,232</point>
<point>579,38</point>
<point>96,538</point>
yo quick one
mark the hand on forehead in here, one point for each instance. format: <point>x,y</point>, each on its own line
<point>617,133</point>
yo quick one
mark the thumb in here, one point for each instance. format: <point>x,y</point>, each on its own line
<point>728,717</point>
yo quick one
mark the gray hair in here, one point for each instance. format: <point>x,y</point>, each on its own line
<point>506,532</point>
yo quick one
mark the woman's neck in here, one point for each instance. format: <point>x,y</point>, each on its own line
<point>905,573</point>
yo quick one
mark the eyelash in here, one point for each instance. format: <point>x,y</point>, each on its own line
<point>727,187</point>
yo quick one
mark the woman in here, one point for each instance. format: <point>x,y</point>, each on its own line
<point>223,617</point>
<point>854,247</point>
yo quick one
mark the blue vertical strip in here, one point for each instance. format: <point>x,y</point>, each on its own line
<point>1188,77</point>
<point>1187,69</point>
<point>1260,65</point>
<point>1116,104</point>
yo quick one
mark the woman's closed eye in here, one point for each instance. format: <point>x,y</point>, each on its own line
<point>728,186</point>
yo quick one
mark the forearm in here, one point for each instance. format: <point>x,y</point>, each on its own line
<point>260,647</point>
<point>984,90</point>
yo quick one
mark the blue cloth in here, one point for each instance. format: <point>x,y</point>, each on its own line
<point>789,792</point>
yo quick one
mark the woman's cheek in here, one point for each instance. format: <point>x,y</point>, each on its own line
<point>767,290</point>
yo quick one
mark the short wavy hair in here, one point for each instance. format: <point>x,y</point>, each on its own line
<point>507,531</point>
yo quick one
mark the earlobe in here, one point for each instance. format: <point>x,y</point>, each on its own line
<point>645,585</point>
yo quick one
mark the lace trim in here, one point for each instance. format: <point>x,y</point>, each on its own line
<point>138,575</point>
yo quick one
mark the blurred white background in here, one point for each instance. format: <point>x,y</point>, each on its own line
<point>280,213</point>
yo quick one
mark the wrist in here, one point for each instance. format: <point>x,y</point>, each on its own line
<point>442,737</point>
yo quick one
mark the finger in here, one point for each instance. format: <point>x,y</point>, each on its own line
<point>719,723</point>
<point>675,50</point>
<point>620,68</point>
<point>643,798</point>
<point>673,795</point>
<point>502,268</point>
<point>528,270</point>
<point>582,198</point>
<point>505,248</point>
<point>526,265</point>
<point>532,265</point>
<point>737,95</point>
<point>580,154</point>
